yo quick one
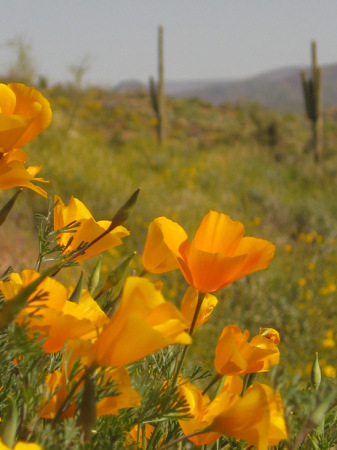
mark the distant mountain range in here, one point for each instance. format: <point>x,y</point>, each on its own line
<point>278,89</point>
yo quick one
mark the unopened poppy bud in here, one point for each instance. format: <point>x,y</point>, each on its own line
<point>10,424</point>
<point>124,212</point>
<point>76,295</point>
<point>116,275</point>
<point>95,276</point>
<point>316,374</point>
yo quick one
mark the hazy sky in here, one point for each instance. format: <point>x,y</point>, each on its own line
<point>203,39</point>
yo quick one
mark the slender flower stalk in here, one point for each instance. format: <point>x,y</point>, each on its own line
<point>201,297</point>
<point>180,362</point>
<point>185,438</point>
<point>248,380</point>
<point>216,378</point>
<point>68,398</point>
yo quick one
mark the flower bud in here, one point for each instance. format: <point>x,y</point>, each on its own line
<point>124,211</point>
<point>316,375</point>
<point>76,295</point>
<point>115,276</point>
<point>10,424</point>
<point>95,276</point>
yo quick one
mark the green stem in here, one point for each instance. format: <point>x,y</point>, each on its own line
<point>248,379</point>
<point>143,437</point>
<point>179,365</point>
<point>213,381</point>
<point>245,384</point>
<point>153,437</point>
<point>143,273</point>
<point>216,446</point>
<point>138,434</point>
<point>184,438</point>
<point>39,262</point>
<point>66,401</point>
<point>220,385</point>
<point>201,296</point>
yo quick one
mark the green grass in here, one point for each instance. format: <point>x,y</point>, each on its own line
<point>101,146</point>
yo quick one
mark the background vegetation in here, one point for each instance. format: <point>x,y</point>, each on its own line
<point>250,163</point>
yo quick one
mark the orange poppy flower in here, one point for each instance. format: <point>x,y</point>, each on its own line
<point>162,246</point>
<point>143,323</point>
<point>87,231</point>
<point>203,411</point>
<point>126,396</point>
<point>13,173</point>
<point>52,314</point>
<point>234,355</point>
<point>189,304</point>
<point>216,257</point>
<point>257,418</point>
<point>233,383</point>
<point>24,114</point>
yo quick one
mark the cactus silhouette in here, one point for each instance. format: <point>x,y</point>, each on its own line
<point>312,90</point>
<point>157,91</point>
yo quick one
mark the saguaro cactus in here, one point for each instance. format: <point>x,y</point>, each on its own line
<point>312,90</point>
<point>157,91</point>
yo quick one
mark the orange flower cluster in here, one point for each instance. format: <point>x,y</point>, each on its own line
<point>94,338</point>
<point>257,416</point>
<point>56,383</point>
<point>24,114</point>
<point>102,345</point>
<point>261,410</point>
<point>218,255</point>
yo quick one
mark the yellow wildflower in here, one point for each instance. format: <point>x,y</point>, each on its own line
<point>329,371</point>
<point>328,343</point>
<point>308,295</point>
<point>302,282</point>
<point>288,248</point>
<point>329,289</point>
